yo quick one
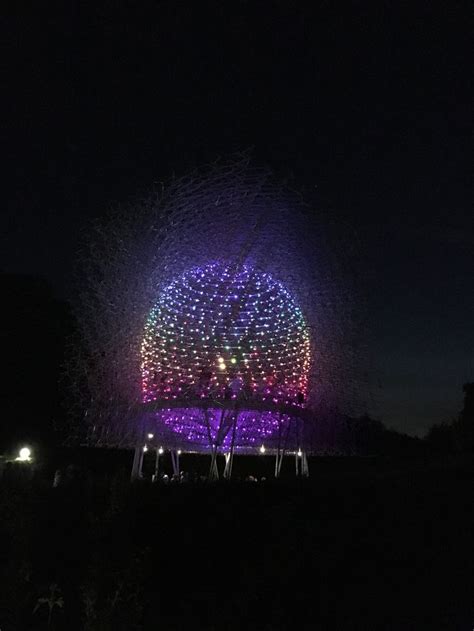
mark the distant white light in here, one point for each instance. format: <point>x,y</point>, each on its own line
<point>145,448</point>
<point>161,450</point>
<point>262,449</point>
<point>150,436</point>
<point>300,453</point>
<point>24,454</point>
<point>179,452</point>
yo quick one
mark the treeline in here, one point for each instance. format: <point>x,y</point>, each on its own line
<point>100,554</point>
<point>333,433</point>
<point>456,435</point>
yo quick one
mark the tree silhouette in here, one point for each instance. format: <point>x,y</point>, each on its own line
<point>52,600</point>
<point>464,426</point>
<point>458,435</point>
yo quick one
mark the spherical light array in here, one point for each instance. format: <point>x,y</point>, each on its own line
<point>216,332</point>
<point>225,334</point>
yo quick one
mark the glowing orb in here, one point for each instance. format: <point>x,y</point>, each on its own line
<point>24,454</point>
<point>219,334</point>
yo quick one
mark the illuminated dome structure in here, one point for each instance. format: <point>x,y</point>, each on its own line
<point>225,358</point>
<point>214,317</point>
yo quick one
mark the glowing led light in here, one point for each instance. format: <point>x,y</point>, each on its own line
<point>161,451</point>
<point>300,453</point>
<point>150,436</point>
<point>262,449</point>
<point>24,455</point>
<point>145,448</point>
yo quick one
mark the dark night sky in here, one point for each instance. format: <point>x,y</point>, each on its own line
<point>367,104</point>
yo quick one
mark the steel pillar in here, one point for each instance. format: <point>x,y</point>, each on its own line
<point>304,465</point>
<point>301,463</point>
<point>157,464</point>
<point>213,470</point>
<point>137,463</point>
<point>175,461</point>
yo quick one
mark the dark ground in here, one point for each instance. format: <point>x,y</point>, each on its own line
<point>363,544</point>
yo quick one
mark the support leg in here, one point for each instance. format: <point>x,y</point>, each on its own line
<point>229,458</point>
<point>137,463</point>
<point>278,453</point>
<point>214,471</point>
<point>304,465</point>
<point>157,465</point>
<point>279,462</point>
<point>227,469</point>
<point>175,462</point>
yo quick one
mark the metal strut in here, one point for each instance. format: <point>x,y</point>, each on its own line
<point>213,470</point>
<point>281,448</point>
<point>175,462</point>
<point>137,463</point>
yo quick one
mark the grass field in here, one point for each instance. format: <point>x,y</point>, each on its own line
<point>363,544</point>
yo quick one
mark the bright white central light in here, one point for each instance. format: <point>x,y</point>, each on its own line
<point>24,454</point>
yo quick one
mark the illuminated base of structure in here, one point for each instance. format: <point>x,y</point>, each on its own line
<point>226,433</point>
<point>215,428</point>
<point>224,426</point>
<point>216,470</point>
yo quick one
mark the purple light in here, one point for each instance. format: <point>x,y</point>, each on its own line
<point>213,426</point>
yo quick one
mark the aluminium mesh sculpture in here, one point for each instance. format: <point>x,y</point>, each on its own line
<point>212,316</point>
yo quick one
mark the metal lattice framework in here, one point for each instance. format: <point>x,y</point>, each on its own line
<point>213,314</point>
<point>223,344</point>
